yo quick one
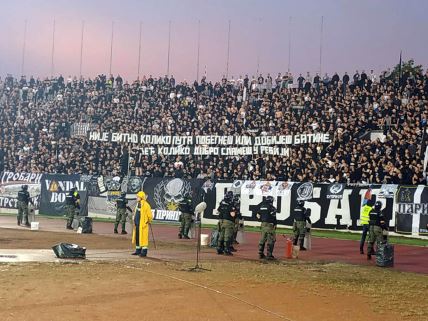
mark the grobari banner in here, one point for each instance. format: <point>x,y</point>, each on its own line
<point>11,183</point>
<point>54,189</point>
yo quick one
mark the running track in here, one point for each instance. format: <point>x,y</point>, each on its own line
<point>407,258</point>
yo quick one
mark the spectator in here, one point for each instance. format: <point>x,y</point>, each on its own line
<point>38,115</point>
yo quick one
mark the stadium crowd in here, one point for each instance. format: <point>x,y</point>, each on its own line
<point>37,116</point>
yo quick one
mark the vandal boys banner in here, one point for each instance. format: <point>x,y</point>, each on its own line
<point>11,183</point>
<point>54,189</point>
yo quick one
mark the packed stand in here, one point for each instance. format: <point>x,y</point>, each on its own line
<point>37,115</point>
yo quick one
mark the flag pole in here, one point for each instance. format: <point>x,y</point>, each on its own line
<point>111,45</point>
<point>228,52</point>
<point>23,48</point>
<point>169,46</point>
<point>199,45</point>
<point>139,51</point>
<point>81,48</point>
<point>53,49</point>
<point>321,34</point>
<point>289,44</point>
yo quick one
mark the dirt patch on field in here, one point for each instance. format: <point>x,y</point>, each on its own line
<point>163,289</point>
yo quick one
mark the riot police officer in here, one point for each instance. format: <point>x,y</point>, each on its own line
<point>72,202</point>
<point>121,207</point>
<point>376,225</point>
<point>266,213</point>
<point>187,211</point>
<point>301,216</point>
<point>227,213</point>
<point>238,217</point>
<point>23,200</point>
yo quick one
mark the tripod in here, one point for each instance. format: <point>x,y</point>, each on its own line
<point>198,267</point>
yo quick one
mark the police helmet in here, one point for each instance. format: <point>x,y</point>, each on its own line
<point>301,203</point>
<point>73,189</point>
<point>229,195</point>
<point>378,205</point>
<point>24,187</point>
<point>269,199</point>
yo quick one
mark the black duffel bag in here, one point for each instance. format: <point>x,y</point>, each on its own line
<point>86,224</point>
<point>385,255</point>
<point>69,251</point>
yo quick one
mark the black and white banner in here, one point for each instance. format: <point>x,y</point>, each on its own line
<point>163,194</point>
<point>54,189</point>
<point>156,140</point>
<point>11,183</point>
<point>335,191</point>
<point>412,209</point>
<point>325,212</point>
<point>332,205</point>
<point>304,191</point>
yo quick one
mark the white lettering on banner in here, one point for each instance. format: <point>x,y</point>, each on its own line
<point>248,200</point>
<point>57,197</point>
<point>148,151</point>
<point>102,137</point>
<point>66,186</point>
<point>200,150</point>
<point>21,177</point>
<point>243,140</point>
<point>413,209</point>
<point>167,215</point>
<point>180,150</point>
<point>7,202</point>
<point>124,138</point>
<point>210,139</point>
<point>236,151</point>
<point>182,140</point>
<point>284,211</point>
<point>315,211</point>
<point>344,210</point>
<point>269,150</point>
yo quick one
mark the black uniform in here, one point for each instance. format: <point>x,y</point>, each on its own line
<point>121,207</point>
<point>266,213</point>
<point>23,200</point>
<point>186,210</point>
<point>238,217</point>
<point>301,216</point>
<point>71,203</point>
<point>227,213</point>
<point>376,226</point>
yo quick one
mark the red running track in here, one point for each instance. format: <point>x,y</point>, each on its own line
<point>407,258</point>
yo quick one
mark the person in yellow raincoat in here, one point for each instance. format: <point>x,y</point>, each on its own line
<point>142,218</point>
